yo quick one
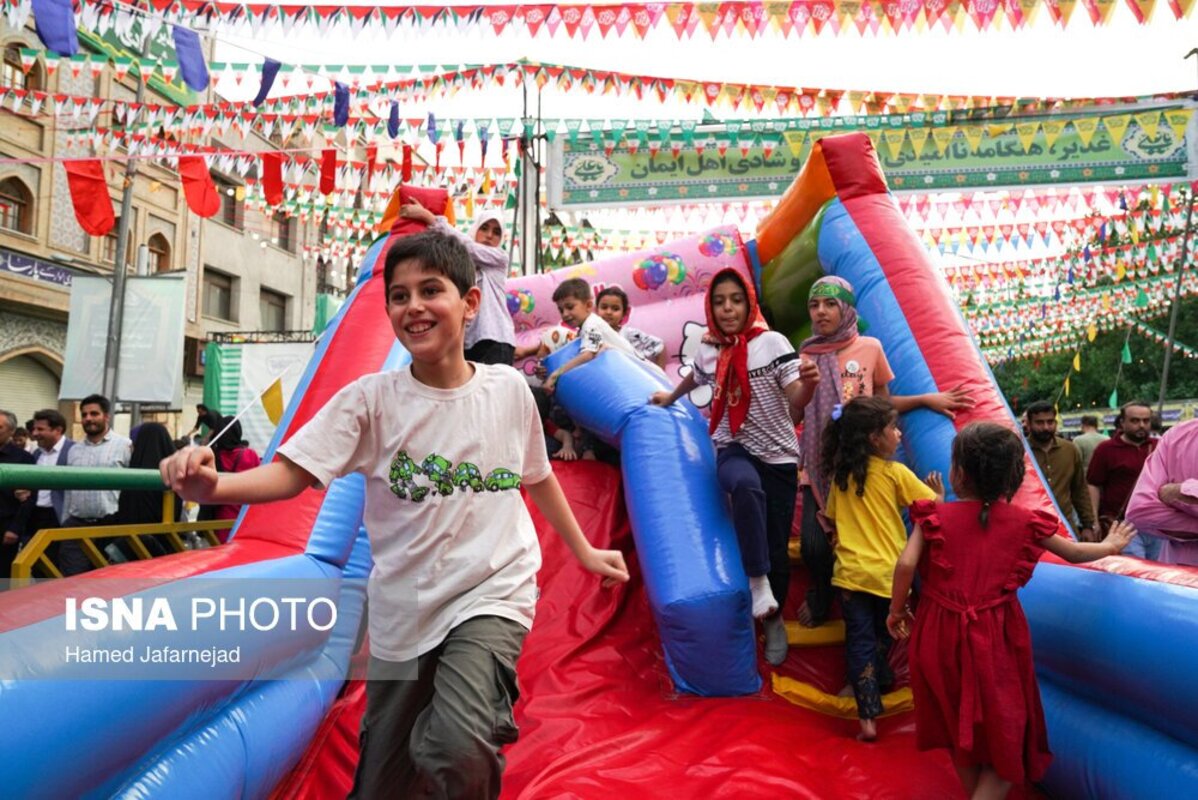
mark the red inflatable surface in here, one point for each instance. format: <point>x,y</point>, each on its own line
<point>599,717</point>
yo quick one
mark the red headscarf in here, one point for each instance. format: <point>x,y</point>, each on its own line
<point>732,367</point>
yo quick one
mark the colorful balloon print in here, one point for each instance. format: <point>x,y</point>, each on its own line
<point>520,301</point>
<point>650,273</point>
<point>718,244</point>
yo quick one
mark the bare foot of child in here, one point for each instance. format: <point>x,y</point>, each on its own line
<point>805,618</point>
<point>869,731</point>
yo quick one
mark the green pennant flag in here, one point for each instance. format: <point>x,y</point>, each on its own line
<point>1113,400</point>
<point>1142,299</point>
<point>572,128</point>
<point>1126,357</point>
<point>510,203</point>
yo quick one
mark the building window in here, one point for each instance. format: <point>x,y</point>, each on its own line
<point>12,76</point>
<point>282,231</point>
<point>160,253</point>
<point>218,295</point>
<point>110,240</point>
<point>272,308</point>
<point>16,206</point>
<point>232,202</point>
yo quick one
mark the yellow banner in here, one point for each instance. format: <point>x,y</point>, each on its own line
<point>794,141</point>
<point>1026,131</point>
<point>943,137</point>
<point>1052,129</point>
<point>894,141</point>
<point>1085,127</point>
<point>1116,126</point>
<point>1149,121</point>
<point>973,135</point>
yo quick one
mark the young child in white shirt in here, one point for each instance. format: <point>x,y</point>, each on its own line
<point>444,445</point>
<point>612,305</point>
<point>577,307</point>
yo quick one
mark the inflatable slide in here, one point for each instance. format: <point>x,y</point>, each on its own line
<point>655,687</point>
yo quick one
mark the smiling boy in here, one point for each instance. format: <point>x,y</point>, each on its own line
<point>453,588</point>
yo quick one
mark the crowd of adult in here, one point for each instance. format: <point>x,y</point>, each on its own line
<point>24,513</point>
<point>1133,474</point>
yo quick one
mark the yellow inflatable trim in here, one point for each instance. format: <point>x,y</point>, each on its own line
<point>831,632</point>
<point>807,696</point>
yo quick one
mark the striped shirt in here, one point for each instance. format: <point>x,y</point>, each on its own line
<point>768,432</point>
<point>111,451</point>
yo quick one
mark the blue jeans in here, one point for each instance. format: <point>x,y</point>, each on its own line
<point>867,644</point>
<point>1144,545</point>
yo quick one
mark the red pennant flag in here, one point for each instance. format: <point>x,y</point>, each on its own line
<point>272,177</point>
<point>89,195</point>
<point>198,187</point>
<point>328,170</point>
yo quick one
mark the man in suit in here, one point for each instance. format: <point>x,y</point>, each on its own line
<point>14,506</point>
<point>49,431</point>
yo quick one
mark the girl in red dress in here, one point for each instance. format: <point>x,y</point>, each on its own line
<point>970,654</point>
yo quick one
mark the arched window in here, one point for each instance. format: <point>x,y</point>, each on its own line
<point>160,253</point>
<point>110,245</point>
<point>16,206</point>
<point>13,76</point>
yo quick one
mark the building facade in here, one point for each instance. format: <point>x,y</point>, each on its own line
<point>244,269</point>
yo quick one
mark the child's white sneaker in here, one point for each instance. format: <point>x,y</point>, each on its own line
<point>763,599</point>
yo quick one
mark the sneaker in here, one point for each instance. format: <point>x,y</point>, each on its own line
<point>776,645</point>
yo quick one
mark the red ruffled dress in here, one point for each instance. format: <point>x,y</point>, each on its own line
<point>971,652</point>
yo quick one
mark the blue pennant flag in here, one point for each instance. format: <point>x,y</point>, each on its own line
<point>393,120</point>
<point>191,59</point>
<point>55,24</point>
<point>270,68</point>
<point>340,104</point>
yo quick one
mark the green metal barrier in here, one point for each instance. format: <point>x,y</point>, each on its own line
<point>33,477</point>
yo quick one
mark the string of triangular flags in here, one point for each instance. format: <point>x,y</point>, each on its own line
<point>751,18</point>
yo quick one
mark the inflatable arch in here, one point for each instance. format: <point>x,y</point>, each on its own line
<point>1115,651</point>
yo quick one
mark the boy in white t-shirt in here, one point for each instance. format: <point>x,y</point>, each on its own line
<point>445,446</point>
<point>577,307</point>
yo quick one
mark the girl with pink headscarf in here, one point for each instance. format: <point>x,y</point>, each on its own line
<point>850,365</point>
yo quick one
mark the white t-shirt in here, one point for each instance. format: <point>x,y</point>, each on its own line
<point>450,535</point>
<point>595,333</point>
<point>557,337</point>
<point>646,345</point>
<point>768,432</point>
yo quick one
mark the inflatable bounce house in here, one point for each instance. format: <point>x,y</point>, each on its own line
<point>654,688</point>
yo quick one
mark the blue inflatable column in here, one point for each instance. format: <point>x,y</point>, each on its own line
<point>684,537</point>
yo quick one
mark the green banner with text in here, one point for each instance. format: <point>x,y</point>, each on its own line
<point>731,161</point>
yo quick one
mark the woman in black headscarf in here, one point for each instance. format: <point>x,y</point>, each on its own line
<point>151,444</point>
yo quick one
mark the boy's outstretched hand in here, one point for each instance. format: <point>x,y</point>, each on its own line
<point>607,563</point>
<point>1119,536</point>
<point>190,473</point>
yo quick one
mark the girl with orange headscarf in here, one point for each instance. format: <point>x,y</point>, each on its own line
<point>759,386</point>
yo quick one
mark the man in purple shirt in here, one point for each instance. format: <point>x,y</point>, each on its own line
<point>1165,501</point>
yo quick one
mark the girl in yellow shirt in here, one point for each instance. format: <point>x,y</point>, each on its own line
<point>867,493</point>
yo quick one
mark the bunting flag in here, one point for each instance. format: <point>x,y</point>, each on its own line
<point>191,58</point>
<point>328,171</point>
<point>270,68</point>
<point>198,187</point>
<point>581,20</point>
<point>340,104</point>
<point>89,196</point>
<point>272,177</point>
<point>54,21</point>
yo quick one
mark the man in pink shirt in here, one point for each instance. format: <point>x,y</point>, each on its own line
<point>1165,500</point>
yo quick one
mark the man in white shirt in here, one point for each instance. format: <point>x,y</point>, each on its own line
<point>85,508</point>
<point>53,447</point>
